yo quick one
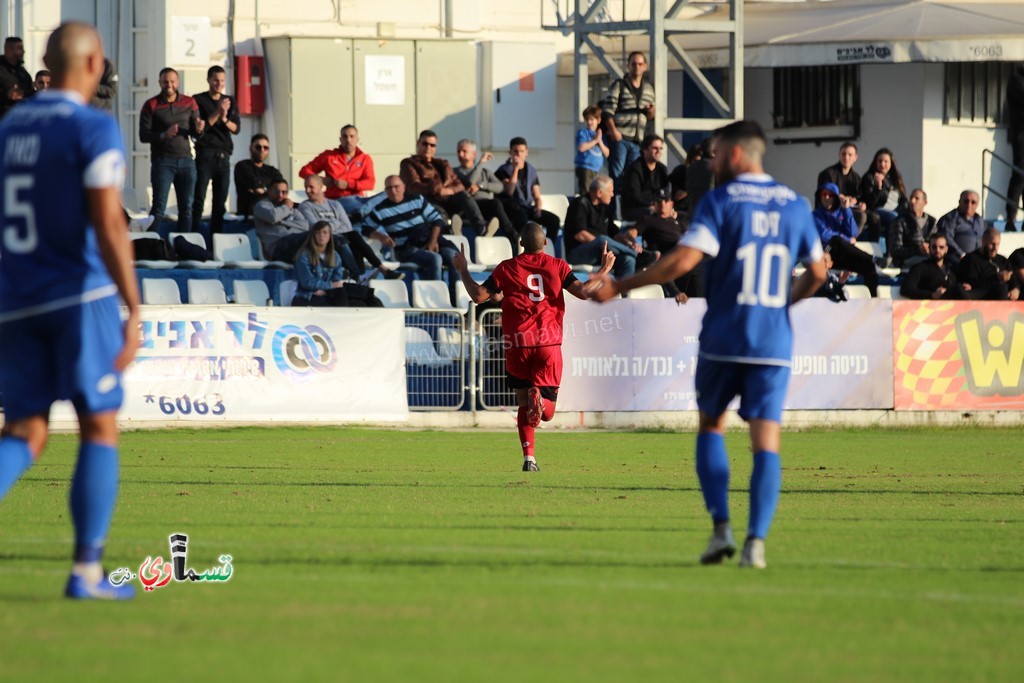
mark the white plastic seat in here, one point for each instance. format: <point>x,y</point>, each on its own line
<point>286,292</point>
<point>156,264</point>
<point>207,292</point>
<point>462,243</point>
<point>462,299</point>
<point>490,251</point>
<point>647,292</point>
<point>196,239</point>
<point>557,204</point>
<point>873,248</point>
<point>857,292</point>
<point>252,292</point>
<point>419,348</point>
<point>160,291</point>
<point>430,294</point>
<point>1009,242</point>
<point>393,293</point>
<point>235,250</point>
<point>378,249</point>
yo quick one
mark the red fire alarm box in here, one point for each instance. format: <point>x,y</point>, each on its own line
<point>249,78</point>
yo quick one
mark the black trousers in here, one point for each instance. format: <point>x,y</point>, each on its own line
<point>216,166</point>
<point>846,256</point>
<point>521,215</point>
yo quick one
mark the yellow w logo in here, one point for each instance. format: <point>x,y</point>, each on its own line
<point>993,354</point>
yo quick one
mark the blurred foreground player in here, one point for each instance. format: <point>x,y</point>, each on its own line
<point>62,265</point>
<point>753,230</point>
<point>533,286</point>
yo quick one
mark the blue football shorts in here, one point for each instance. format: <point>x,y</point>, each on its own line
<point>761,388</point>
<point>66,354</point>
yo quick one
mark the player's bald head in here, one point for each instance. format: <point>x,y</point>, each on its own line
<point>532,238</point>
<point>70,47</point>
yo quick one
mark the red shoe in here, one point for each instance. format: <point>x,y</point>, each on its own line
<point>534,407</point>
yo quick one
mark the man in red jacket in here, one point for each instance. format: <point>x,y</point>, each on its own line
<point>348,171</point>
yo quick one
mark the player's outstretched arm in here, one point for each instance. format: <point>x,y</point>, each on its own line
<point>671,266</point>
<point>112,235</point>
<point>809,281</point>
<point>476,292</point>
<point>581,290</point>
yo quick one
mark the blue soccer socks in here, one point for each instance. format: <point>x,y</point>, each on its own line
<point>15,458</point>
<point>765,484</point>
<point>93,494</point>
<point>713,473</point>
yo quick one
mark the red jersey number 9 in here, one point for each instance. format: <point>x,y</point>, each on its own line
<point>536,285</point>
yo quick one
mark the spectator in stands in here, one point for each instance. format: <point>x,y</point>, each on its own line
<point>253,176</point>
<point>963,227</point>
<point>483,186</point>
<point>835,280</point>
<point>884,195</point>
<point>431,177</point>
<point>280,226</point>
<point>411,226</point>
<point>988,272</point>
<point>1015,135</point>
<point>628,107</point>
<point>644,179</point>
<point>933,278</point>
<point>661,232</point>
<point>167,122</point>
<point>589,230</point>
<point>106,91</point>
<point>318,270</point>
<point>42,80</point>
<point>349,244</point>
<point>838,231</point>
<point>214,148</point>
<point>590,149</point>
<point>522,195</point>
<point>348,170</point>
<point>15,81</point>
<point>1017,264</point>
<point>912,230</point>
<point>848,181</point>
<point>677,178</point>
<point>700,177</point>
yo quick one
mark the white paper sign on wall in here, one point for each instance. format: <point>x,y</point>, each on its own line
<point>190,41</point>
<point>385,79</point>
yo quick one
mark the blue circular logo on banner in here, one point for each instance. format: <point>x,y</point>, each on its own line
<point>302,353</point>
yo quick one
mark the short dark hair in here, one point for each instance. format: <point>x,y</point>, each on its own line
<point>167,70</point>
<point>41,72</point>
<point>740,130</point>
<point>427,134</point>
<point>592,112</point>
<point>349,125</point>
<point>918,189</point>
<point>259,136</point>
<point>11,40</point>
<point>634,54</point>
<point>214,70</point>
<point>518,140</point>
<point>650,140</point>
<point>848,143</point>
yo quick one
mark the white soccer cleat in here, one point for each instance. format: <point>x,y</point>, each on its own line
<point>753,554</point>
<point>720,546</point>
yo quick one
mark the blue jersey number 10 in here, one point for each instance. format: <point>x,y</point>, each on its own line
<point>759,288</point>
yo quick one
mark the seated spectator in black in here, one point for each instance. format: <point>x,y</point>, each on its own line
<point>643,179</point>
<point>280,225</point>
<point>428,175</point>
<point>661,232</point>
<point>988,272</point>
<point>1017,264</point>
<point>411,226</point>
<point>838,229</point>
<point>677,178</point>
<point>933,278</point>
<point>348,243</point>
<point>834,281</point>
<point>848,182</point>
<point>911,231</point>
<point>963,227</point>
<point>589,230</point>
<point>521,195</point>
<point>884,195</point>
<point>42,80</point>
<point>700,177</point>
<point>484,187</point>
<point>318,270</point>
<point>253,176</point>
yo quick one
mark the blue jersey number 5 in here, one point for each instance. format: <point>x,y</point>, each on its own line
<point>26,239</point>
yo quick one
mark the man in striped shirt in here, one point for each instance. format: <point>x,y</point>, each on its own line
<point>628,107</point>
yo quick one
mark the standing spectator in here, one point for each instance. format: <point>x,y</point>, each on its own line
<point>590,149</point>
<point>533,285</point>
<point>933,278</point>
<point>700,176</point>
<point>962,227</point>
<point>42,80</point>
<point>589,230</point>
<point>106,91</point>
<point>912,231</point>
<point>988,272</point>
<point>166,123</point>
<point>1015,134</point>
<point>214,148</point>
<point>628,107</point>
<point>348,170</point>
<point>848,181</point>
<point>427,175</point>
<point>884,195</point>
<point>677,178</point>
<point>253,176</point>
<point>280,226</point>
<point>837,230</point>
<point>483,186</point>
<point>15,81</point>
<point>644,179</point>
<point>522,190</point>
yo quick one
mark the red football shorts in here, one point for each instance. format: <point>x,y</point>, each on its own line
<point>534,366</point>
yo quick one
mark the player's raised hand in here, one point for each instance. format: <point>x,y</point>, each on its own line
<point>459,261</point>
<point>607,260</point>
<point>681,298</point>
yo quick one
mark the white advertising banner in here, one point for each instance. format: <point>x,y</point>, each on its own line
<point>239,364</point>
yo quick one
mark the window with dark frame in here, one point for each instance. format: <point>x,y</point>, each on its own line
<point>816,96</point>
<point>976,91</point>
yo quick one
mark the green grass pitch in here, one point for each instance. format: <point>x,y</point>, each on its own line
<point>374,555</point>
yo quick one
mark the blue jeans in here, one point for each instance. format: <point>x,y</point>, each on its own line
<point>429,262</point>
<point>212,165</point>
<point>351,204</point>
<point>181,172</point>
<point>620,155</point>
<point>590,254</point>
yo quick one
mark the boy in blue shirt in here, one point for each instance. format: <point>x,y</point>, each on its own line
<point>590,150</point>
<point>752,231</point>
<point>62,266</point>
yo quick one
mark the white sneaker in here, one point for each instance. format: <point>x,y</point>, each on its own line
<point>456,224</point>
<point>720,546</point>
<point>140,224</point>
<point>753,554</point>
<point>492,228</point>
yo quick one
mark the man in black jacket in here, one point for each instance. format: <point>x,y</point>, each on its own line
<point>213,149</point>
<point>934,278</point>
<point>15,81</point>
<point>848,182</point>
<point>988,272</point>
<point>644,179</point>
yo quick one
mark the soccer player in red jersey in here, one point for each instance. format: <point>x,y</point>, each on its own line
<point>533,286</point>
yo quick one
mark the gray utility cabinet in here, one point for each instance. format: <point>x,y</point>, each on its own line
<point>389,89</point>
